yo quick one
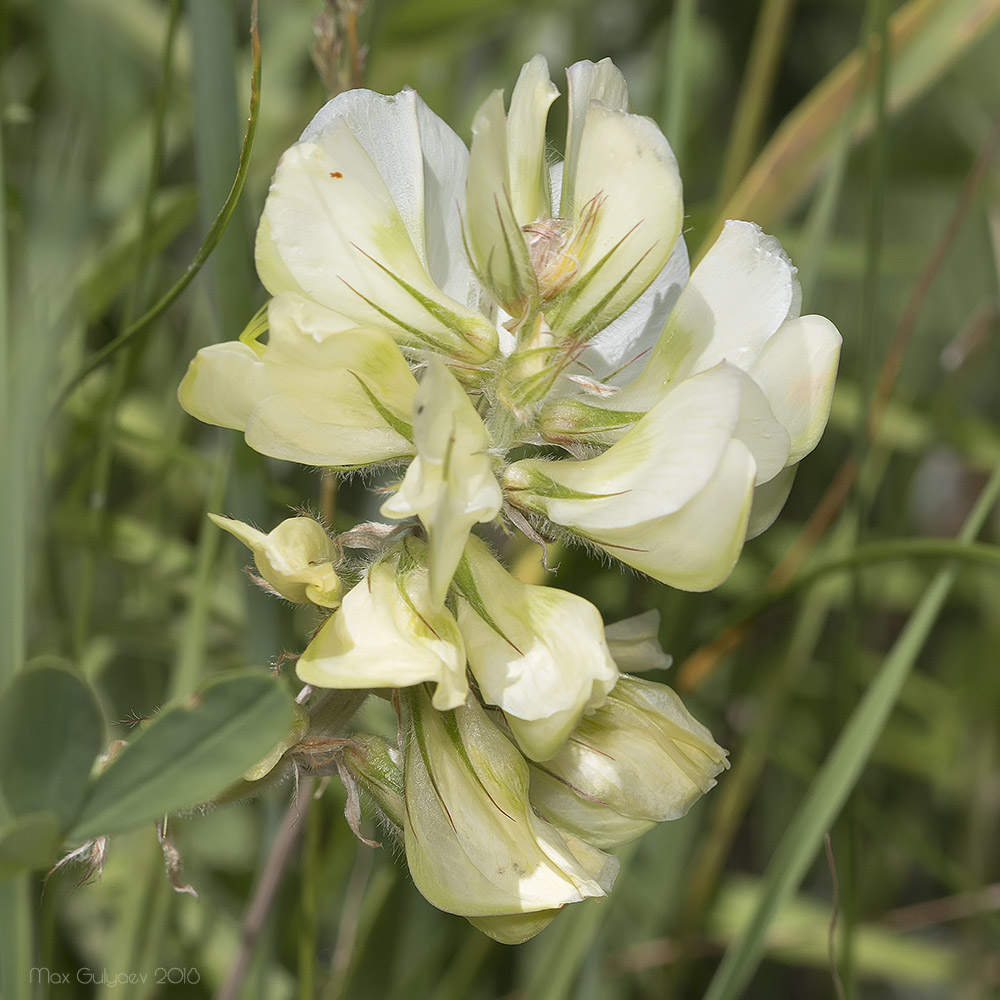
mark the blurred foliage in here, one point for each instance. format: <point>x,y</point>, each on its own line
<point>114,166</point>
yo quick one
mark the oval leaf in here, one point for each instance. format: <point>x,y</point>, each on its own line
<point>188,754</point>
<point>28,842</point>
<point>51,730</point>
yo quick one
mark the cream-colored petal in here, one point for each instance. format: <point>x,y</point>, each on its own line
<point>638,760</point>
<point>473,845</point>
<point>696,547</point>
<point>446,162</point>
<point>738,295</point>
<point>280,428</point>
<point>796,369</point>
<point>760,430</point>
<point>634,643</point>
<point>450,485</point>
<point>654,470</point>
<point>342,374</point>
<point>533,93</point>
<point>423,164</point>
<point>331,226</point>
<point>537,652</point>
<point>387,634</point>
<point>626,213</point>
<point>588,81</point>
<point>387,129</point>
<point>320,392</point>
<point>222,385</point>
<point>768,499</point>
<point>493,231</point>
<point>514,928</point>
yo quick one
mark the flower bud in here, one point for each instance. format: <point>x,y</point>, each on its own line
<point>638,760</point>
<point>296,559</point>
<point>474,845</point>
<point>537,652</point>
<point>388,633</point>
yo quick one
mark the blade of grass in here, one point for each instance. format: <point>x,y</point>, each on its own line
<point>214,57</point>
<point>841,770</point>
<point>849,681</point>
<point>107,410</point>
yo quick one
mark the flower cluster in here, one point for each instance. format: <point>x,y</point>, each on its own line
<point>527,338</point>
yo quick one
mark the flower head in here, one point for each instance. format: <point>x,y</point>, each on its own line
<point>575,381</point>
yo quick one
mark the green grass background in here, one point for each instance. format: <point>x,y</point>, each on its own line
<point>859,698</point>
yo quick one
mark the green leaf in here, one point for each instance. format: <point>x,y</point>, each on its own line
<point>28,842</point>
<point>51,731</point>
<point>188,754</point>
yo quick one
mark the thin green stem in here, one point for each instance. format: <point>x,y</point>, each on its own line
<point>210,242</point>
<point>188,667</point>
<point>17,927</point>
<point>107,411</point>
<point>868,324</point>
<point>872,554</point>
<point>736,792</point>
<point>309,903</point>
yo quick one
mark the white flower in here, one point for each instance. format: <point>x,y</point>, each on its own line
<point>739,308</point>
<point>474,846</point>
<point>363,217</point>
<point>388,633</point>
<point>638,760</point>
<point>672,497</point>
<point>320,392</point>
<point>450,485</point>
<point>296,559</point>
<point>536,652</point>
<point>598,240</point>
